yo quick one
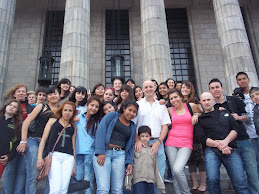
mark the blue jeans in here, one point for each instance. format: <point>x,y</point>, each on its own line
<point>234,167</point>
<point>160,162</point>
<point>31,155</point>
<point>85,170</point>
<point>15,176</point>
<point>112,173</point>
<point>248,156</point>
<point>255,143</point>
<point>143,188</point>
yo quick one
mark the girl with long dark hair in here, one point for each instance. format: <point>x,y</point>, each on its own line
<point>79,97</point>
<point>86,130</point>
<point>115,138</point>
<point>63,89</point>
<point>10,124</point>
<point>126,93</point>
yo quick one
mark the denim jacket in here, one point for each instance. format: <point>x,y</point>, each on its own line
<point>256,118</point>
<point>104,132</point>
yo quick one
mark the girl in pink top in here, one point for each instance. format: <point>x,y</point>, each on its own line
<point>179,142</point>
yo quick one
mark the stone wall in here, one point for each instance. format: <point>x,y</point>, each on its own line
<point>25,47</point>
<point>136,43</point>
<point>206,45</point>
<point>252,21</point>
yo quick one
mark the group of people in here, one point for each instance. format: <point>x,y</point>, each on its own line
<point>123,137</point>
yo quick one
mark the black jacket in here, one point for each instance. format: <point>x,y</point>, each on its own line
<point>256,118</point>
<point>216,125</point>
<point>235,105</point>
<point>8,142</point>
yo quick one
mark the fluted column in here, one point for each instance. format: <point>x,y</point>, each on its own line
<point>7,12</point>
<point>155,43</point>
<point>75,44</point>
<point>234,41</point>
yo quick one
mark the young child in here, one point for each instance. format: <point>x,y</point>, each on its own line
<point>145,170</point>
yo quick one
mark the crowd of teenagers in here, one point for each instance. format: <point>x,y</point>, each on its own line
<point>123,138</point>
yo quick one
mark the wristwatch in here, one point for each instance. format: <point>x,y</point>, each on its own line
<point>160,141</point>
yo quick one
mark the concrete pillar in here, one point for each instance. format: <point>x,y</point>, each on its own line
<point>74,63</point>
<point>7,12</point>
<point>234,41</point>
<point>155,43</point>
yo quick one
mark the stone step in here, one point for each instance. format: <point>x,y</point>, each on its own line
<point>226,186</point>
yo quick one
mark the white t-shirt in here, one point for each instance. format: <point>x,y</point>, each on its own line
<point>152,116</point>
<point>249,124</point>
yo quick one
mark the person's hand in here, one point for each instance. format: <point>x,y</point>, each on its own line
<point>155,147</point>
<point>88,94</point>
<point>226,150</point>
<point>195,119</point>
<point>74,171</point>
<point>76,119</point>
<point>115,99</point>
<point>129,169</point>
<point>40,163</point>
<point>138,146</point>
<point>235,115</point>
<point>4,160</point>
<point>21,147</point>
<point>162,101</point>
<point>222,108</point>
<point>101,159</point>
<point>222,144</point>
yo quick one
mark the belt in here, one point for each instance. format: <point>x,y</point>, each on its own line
<point>116,149</point>
<point>152,138</point>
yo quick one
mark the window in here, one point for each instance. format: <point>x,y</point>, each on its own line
<point>117,42</point>
<point>180,45</point>
<point>53,40</point>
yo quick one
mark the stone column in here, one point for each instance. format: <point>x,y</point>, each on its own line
<point>74,63</point>
<point>7,12</point>
<point>234,41</point>
<point>155,43</point>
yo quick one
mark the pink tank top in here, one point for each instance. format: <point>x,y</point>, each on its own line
<point>181,134</point>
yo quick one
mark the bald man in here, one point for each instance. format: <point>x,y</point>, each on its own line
<point>217,130</point>
<point>155,116</point>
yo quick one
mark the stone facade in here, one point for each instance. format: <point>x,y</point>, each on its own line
<point>28,33</point>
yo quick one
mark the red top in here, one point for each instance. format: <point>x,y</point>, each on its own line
<point>24,111</point>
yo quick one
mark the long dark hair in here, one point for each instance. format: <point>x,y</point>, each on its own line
<point>126,104</point>
<point>191,97</point>
<point>92,122</point>
<point>16,119</point>
<point>134,91</point>
<point>79,89</point>
<point>129,90</point>
<point>159,96</point>
<point>63,81</point>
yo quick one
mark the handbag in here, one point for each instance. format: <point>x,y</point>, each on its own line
<point>34,123</point>
<point>78,185</point>
<point>43,173</point>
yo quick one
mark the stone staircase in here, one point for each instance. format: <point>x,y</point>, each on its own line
<point>226,185</point>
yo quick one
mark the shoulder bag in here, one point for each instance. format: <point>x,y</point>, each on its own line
<point>43,173</point>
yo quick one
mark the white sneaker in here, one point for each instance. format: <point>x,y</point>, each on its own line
<point>168,180</point>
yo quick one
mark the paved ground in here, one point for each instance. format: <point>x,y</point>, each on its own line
<point>225,184</point>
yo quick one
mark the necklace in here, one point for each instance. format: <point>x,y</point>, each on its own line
<point>63,122</point>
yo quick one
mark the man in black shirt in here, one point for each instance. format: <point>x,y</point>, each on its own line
<point>217,130</point>
<point>245,148</point>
